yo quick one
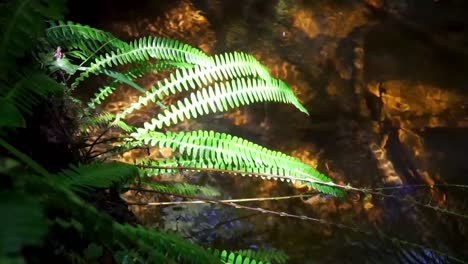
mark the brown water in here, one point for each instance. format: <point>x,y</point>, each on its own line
<point>386,87</point>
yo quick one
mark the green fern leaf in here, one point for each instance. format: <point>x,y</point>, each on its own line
<point>23,21</point>
<point>28,91</point>
<point>169,166</point>
<point>221,97</point>
<point>97,175</point>
<point>135,72</point>
<point>11,116</point>
<point>271,255</point>
<point>143,49</point>
<point>234,258</point>
<point>22,224</point>
<point>227,66</point>
<point>104,119</point>
<point>207,149</point>
<point>88,40</point>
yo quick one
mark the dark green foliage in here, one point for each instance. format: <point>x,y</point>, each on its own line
<point>29,89</point>
<point>22,22</point>
<point>89,41</point>
<point>23,222</point>
<point>98,175</point>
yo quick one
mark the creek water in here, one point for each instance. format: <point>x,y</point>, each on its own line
<point>385,84</point>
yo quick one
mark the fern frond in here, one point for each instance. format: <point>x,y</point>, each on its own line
<point>174,248</point>
<point>221,97</point>
<point>183,188</point>
<point>208,149</point>
<point>22,224</point>
<point>97,175</point>
<point>143,49</point>
<point>235,258</point>
<point>104,119</point>
<point>90,121</point>
<point>271,255</point>
<point>133,73</point>
<point>23,21</point>
<point>28,91</point>
<point>75,36</point>
<point>227,66</point>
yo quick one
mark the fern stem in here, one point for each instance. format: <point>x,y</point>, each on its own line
<point>331,184</point>
<point>95,142</point>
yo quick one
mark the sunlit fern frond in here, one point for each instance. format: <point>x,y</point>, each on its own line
<point>133,73</point>
<point>208,149</point>
<point>97,175</point>
<point>223,96</point>
<point>142,50</point>
<point>22,22</point>
<point>235,258</point>
<point>87,39</point>
<point>270,255</point>
<point>226,67</point>
<point>182,188</point>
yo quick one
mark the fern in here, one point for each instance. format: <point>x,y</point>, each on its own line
<point>26,93</point>
<point>208,149</point>
<point>97,175</point>
<point>271,255</point>
<point>182,188</point>
<point>235,258</point>
<point>153,167</point>
<point>133,73</point>
<point>84,38</point>
<point>142,50</point>
<point>22,224</point>
<point>104,119</point>
<point>158,247</point>
<point>224,96</point>
<point>227,66</point>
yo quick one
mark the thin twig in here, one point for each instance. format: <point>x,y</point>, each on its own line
<point>331,184</point>
<point>321,221</point>
<point>257,199</point>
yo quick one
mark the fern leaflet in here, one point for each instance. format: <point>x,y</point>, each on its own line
<point>75,36</point>
<point>222,97</point>
<point>135,72</point>
<point>142,50</point>
<point>207,149</point>
<point>227,66</point>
